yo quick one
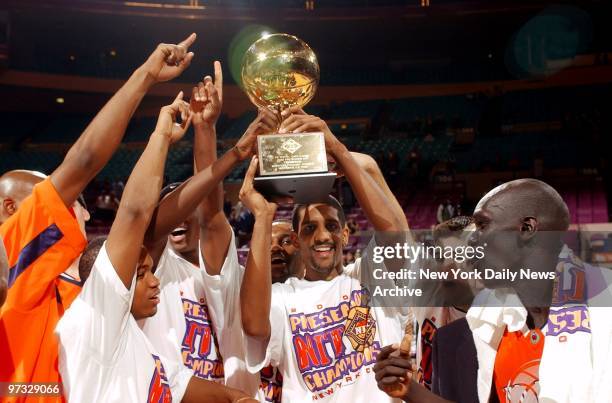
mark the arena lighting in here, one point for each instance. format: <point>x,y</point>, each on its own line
<point>195,5</point>
<point>59,100</point>
<point>240,43</point>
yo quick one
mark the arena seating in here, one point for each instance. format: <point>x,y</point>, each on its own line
<point>39,142</point>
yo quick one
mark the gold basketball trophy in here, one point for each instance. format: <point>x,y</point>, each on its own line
<point>280,71</point>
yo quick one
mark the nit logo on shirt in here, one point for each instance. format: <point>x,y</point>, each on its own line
<point>428,330</point>
<point>360,328</point>
<point>325,354</point>
<point>199,346</point>
<point>159,389</point>
<point>271,384</point>
<point>525,386</point>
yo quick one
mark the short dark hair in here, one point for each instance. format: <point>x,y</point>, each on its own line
<point>169,189</point>
<point>331,201</point>
<point>449,227</point>
<point>89,256</point>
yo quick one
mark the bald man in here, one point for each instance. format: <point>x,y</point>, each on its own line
<point>527,339</point>
<point>42,231</point>
<point>523,340</point>
<point>15,186</point>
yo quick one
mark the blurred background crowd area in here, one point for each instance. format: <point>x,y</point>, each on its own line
<point>450,97</point>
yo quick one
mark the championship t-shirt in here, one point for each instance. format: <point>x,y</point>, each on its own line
<point>517,363</point>
<point>41,239</point>
<point>181,329</point>
<point>223,295</point>
<point>429,320</point>
<point>104,355</point>
<point>325,339</point>
<point>271,385</point>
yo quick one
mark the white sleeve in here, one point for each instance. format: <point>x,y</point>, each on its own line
<point>261,353</point>
<point>96,321</point>
<point>223,290</point>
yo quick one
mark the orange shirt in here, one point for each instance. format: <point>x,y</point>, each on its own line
<point>41,240</point>
<point>517,364</point>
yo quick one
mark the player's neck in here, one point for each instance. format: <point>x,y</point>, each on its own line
<point>73,270</point>
<point>313,275</point>
<point>192,257</point>
<point>537,317</point>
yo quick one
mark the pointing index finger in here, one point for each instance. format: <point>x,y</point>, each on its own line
<point>250,173</point>
<point>219,79</point>
<point>188,42</point>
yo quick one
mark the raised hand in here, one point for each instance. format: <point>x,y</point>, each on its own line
<point>207,99</point>
<point>167,124</point>
<point>297,121</point>
<point>266,122</point>
<point>250,197</point>
<point>168,61</point>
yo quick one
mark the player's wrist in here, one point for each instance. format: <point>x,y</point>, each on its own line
<point>262,214</point>
<point>145,75</point>
<point>204,125</point>
<point>337,150</point>
<point>164,135</point>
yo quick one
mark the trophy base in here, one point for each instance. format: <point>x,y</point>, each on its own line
<point>303,188</point>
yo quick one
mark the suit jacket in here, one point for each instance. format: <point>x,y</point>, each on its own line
<point>455,366</point>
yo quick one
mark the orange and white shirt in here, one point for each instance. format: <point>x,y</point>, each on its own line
<point>41,239</point>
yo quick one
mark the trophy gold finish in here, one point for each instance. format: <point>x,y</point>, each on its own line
<point>280,71</point>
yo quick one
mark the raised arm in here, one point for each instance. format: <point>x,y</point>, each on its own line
<point>256,288</point>
<point>215,230</point>
<point>179,204</point>
<point>367,191</point>
<point>371,167</point>
<point>97,144</point>
<point>142,192</point>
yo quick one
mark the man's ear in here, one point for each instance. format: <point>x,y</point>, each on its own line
<point>9,206</point>
<point>529,227</point>
<point>345,236</point>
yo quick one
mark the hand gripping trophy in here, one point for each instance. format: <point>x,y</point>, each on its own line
<point>280,71</point>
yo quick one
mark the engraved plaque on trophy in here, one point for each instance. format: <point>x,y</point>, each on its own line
<point>291,154</point>
<point>280,71</point>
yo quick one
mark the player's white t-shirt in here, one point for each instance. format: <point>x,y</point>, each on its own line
<point>182,328</point>
<point>104,356</point>
<point>223,295</point>
<point>429,320</point>
<point>323,340</point>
